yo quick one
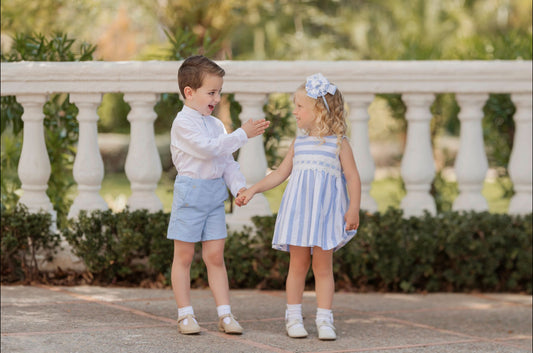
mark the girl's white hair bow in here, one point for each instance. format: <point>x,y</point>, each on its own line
<point>318,86</point>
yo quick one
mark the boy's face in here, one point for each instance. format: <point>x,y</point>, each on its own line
<point>205,98</point>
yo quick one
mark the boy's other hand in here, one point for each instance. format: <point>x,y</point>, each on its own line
<point>255,128</point>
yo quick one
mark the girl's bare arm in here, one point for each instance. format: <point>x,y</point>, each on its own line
<point>353,182</point>
<point>270,181</point>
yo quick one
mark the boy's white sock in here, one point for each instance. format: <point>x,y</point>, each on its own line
<point>293,312</point>
<point>223,310</point>
<point>324,315</point>
<point>186,310</point>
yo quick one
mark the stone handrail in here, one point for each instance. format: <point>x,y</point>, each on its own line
<point>252,81</point>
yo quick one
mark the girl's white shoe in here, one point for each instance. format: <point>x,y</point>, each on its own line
<point>326,331</point>
<point>295,328</point>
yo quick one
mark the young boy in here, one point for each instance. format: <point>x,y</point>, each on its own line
<point>202,154</point>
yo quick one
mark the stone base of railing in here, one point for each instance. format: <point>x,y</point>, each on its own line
<point>64,259</point>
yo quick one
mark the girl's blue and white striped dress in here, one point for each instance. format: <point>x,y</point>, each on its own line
<point>315,200</point>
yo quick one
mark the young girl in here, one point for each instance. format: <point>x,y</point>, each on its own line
<point>316,216</point>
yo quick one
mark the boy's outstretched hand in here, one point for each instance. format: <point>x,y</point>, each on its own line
<point>255,128</point>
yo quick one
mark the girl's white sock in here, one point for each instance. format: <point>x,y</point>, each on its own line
<point>186,311</point>
<point>293,312</point>
<point>223,310</point>
<point>324,315</point>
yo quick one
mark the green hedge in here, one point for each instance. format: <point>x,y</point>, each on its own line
<point>453,251</point>
<point>124,246</point>
<point>23,235</point>
<point>450,252</point>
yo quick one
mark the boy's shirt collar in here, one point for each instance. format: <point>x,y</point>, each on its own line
<point>191,111</point>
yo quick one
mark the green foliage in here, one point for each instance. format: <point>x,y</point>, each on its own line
<point>23,235</point>
<point>278,111</point>
<point>61,136</point>
<point>20,16</point>
<point>10,183</point>
<point>38,47</point>
<point>184,43</point>
<point>113,113</point>
<point>498,129</point>
<point>61,126</point>
<point>445,110</point>
<point>11,113</point>
<point>443,192</point>
<point>509,44</point>
<point>117,247</point>
<point>250,260</point>
<point>450,252</point>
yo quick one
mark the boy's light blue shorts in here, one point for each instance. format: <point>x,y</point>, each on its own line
<point>198,210</point>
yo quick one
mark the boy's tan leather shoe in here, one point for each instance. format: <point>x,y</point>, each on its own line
<point>232,326</point>
<point>187,325</point>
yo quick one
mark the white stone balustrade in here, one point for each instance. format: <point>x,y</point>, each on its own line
<point>360,143</point>
<point>34,165</point>
<point>252,160</point>
<point>471,163</point>
<point>418,169</point>
<point>253,81</point>
<point>520,162</point>
<point>88,169</point>
<point>143,164</point>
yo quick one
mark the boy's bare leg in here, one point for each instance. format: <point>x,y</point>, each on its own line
<point>300,259</point>
<point>181,272</point>
<point>213,256</point>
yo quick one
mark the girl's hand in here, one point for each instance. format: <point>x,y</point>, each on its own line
<point>352,220</point>
<point>255,128</point>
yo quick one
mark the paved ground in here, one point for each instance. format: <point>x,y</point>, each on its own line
<point>96,319</point>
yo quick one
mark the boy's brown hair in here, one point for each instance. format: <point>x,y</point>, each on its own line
<point>193,70</point>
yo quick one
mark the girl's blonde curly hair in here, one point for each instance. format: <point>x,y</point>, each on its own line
<point>332,122</point>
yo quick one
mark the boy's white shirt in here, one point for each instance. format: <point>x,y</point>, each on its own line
<point>202,149</point>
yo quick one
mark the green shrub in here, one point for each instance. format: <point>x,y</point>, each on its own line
<point>449,252</point>
<point>250,260</point>
<point>453,251</point>
<point>117,247</point>
<point>23,235</point>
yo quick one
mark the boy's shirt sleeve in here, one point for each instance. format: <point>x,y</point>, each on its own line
<point>188,138</point>
<point>233,176</point>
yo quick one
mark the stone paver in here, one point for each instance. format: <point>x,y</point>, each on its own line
<point>107,319</point>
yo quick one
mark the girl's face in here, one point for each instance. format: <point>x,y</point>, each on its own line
<point>304,111</point>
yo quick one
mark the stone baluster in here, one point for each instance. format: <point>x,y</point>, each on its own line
<point>418,168</point>
<point>143,164</point>
<point>360,143</point>
<point>34,165</point>
<point>520,168</point>
<point>88,167</point>
<point>252,160</point>
<point>471,163</point>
